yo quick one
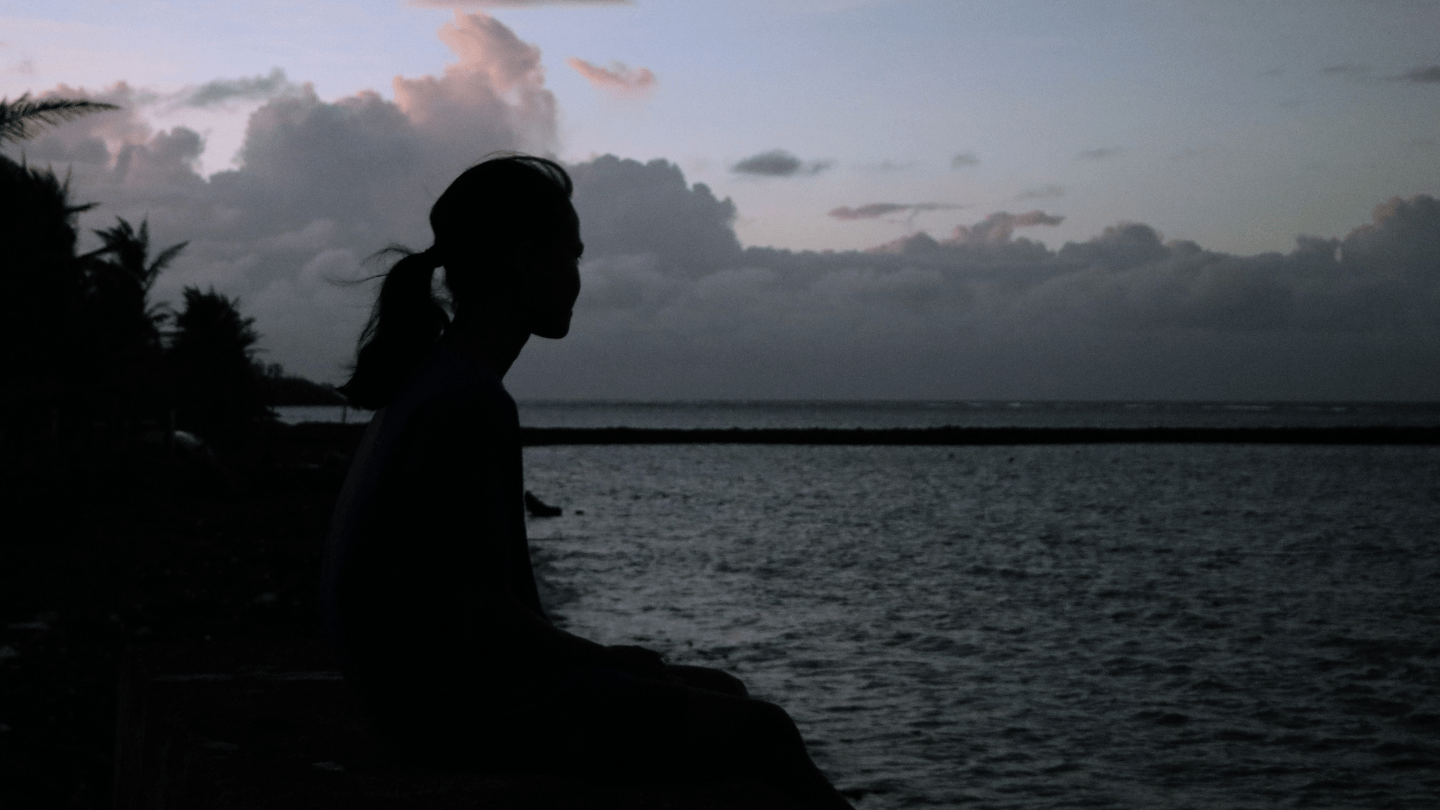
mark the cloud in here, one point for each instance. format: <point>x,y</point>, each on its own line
<point>1424,75</point>
<point>617,78</point>
<point>870,211</point>
<point>1026,219</point>
<point>516,3</point>
<point>986,313</point>
<point>999,227</point>
<point>248,88</point>
<point>494,92</point>
<point>991,238</point>
<point>778,163</point>
<point>1041,192</point>
<point>628,208</point>
<point>964,160</point>
<point>877,210</point>
<point>887,166</point>
<point>320,184</point>
<point>1102,153</point>
<point>674,307</point>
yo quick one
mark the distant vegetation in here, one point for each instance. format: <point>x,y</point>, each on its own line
<point>281,389</point>
<point>88,358</point>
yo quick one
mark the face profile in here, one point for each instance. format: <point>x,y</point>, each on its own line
<point>550,279</point>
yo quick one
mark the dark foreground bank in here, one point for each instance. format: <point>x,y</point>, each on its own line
<point>104,551</point>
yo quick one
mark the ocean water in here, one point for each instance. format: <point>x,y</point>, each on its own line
<point>903,414</point>
<point>891,414</point>
<point>1127,626</point>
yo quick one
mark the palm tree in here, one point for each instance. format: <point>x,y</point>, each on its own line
<point>44,359</point>
<point>42,291</point>
<point>211,358</point>
<point>22,118</point>
<point>121,328</point>
<point>121,266</point>
<point>131,248</point>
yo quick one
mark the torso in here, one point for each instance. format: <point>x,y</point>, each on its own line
<point>438,474</point>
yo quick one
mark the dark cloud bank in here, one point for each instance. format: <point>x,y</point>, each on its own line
<point>674,307</point>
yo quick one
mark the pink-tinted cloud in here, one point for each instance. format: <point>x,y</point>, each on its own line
<point>877,210</point>
<point>999,226</point>
<point>320,184</point>
<point>497,89</point>
<point>991,237</point>
<point>516,3</point>
<point>617,78</point>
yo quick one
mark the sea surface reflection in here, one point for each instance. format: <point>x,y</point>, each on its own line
<point>1216,626</point>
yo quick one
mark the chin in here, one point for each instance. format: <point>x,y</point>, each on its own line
<point>552,331</point>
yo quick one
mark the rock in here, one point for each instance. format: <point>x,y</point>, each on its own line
<point>538,508</point>
<point>270,725</point>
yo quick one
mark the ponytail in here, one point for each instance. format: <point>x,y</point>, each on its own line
<point>403,327</point>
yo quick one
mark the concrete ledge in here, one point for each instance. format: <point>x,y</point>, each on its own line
<point>270,725</point>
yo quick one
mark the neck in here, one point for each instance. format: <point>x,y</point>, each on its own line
<point>491,338</point>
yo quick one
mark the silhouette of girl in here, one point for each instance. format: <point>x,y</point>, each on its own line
<point>429,597</point>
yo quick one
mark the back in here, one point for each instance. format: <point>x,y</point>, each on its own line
<point>431,510</point>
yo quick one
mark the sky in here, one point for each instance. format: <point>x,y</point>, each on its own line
<point>805,198</point>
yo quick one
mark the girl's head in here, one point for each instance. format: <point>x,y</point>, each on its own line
<point>505,232</point>
<point>509,241</point>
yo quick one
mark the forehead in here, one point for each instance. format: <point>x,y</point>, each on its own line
<point>565,213</point>
<point>564,224</point>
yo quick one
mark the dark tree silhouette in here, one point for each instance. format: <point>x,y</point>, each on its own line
<point>217,389</point>
<point>42,285</point>
<point>41,294</point>
<point>22,118</point>
<point>122,328</point>
<point>128,251</point>
<point>82,351</point>
<point>282,389</point>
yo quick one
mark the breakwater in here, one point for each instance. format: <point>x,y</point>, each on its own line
<point>1372,435</point>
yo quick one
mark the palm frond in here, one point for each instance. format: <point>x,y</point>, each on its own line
<point>22,118</point>
<point>163,260</point>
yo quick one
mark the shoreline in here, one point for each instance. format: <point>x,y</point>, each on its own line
<point>938,436</point>
<point>980,436</point>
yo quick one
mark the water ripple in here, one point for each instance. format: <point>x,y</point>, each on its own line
<point>1090,626</point>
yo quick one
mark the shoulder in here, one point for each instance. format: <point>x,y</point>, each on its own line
<point>448,383</point>
<point>465,414</point>
<point>453,400</point>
